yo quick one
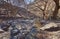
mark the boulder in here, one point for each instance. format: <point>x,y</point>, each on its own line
<point>49,25</point>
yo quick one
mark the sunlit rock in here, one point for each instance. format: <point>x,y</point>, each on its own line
<point>1,31</point>
<point>49,25</point>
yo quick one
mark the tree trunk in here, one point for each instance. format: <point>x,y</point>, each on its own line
<point>56,9</point>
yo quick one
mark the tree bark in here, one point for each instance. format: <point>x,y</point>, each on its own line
<point>56,9</point>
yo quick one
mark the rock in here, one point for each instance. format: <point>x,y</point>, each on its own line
<point>1,31</point>
<point>5,35</point>
<point>5,27</point>
<point>32,33</point>
<point>49,25</point>
<point>14,32</point>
